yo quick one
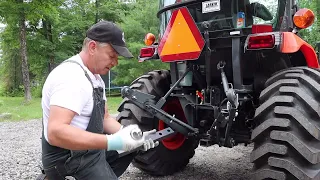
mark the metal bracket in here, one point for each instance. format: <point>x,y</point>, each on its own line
<point>230,93</point>
<point>158,136</point>
<point>233,101</point>
<point>146,102</point>
<point>163,99</point>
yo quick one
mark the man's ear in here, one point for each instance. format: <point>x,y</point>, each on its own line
<point>92,46</point>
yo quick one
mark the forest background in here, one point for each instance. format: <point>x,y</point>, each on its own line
<point>37,35</point>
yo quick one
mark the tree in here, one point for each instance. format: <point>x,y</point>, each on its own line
<point>23,51</point>
<point>141,20</point>
<point>10,72</point>
<point>13,12</point>
<point>54,31</point>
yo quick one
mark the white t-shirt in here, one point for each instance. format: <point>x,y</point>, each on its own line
<point>68,87</point>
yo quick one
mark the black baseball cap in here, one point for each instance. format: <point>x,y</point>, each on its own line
<point>109,32</point>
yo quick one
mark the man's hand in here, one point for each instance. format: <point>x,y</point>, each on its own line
<point>149,143</point>
<point>122,140</point>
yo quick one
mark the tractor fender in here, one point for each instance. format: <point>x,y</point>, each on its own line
<point>292,43</point>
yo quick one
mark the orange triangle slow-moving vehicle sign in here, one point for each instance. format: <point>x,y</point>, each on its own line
<point>182,39</point>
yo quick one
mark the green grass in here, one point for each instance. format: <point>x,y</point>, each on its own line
<point>113,104</point>
<point>20,111</point>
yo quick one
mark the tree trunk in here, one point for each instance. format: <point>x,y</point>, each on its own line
<point>47,27</point>
<point>23,54</point>
<point>97,11</point>
<point>51,54</point>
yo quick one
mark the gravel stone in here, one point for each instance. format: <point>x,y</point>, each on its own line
<point>20,157</point>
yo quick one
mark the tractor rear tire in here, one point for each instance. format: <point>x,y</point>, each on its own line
<point>41,177</point>
<point>172,154</point>
<point>287,136</point>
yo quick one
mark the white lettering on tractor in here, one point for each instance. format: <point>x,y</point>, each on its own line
<point>210,6</point>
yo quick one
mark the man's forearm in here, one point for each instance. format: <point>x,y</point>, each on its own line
<point>69,137</point>
<point>111,125</point>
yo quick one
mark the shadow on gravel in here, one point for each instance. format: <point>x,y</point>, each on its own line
<point>212,163</point>
<point>191,172</point>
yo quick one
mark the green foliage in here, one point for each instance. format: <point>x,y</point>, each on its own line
<point>56,29</point>
<point>37,91</point>
<point>2,89</point>
<point>141,20</point>
<point>311,34</point>
<point>10,69</point>
<point>129,70</point>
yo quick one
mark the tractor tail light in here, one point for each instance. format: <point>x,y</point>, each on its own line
<point>261,42</point>
<point>149,39</point>
<point>261,28</point>
<point>147,52</point>
<point>303,18</point>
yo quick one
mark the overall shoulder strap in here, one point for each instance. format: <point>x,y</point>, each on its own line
<point>85,72</point>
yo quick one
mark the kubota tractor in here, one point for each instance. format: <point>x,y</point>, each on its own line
<point>239,74</point>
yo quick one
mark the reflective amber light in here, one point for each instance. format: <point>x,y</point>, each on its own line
<point>303,18</point>
<point>149,39</point>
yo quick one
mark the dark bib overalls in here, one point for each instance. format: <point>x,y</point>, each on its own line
<point>85,164</point>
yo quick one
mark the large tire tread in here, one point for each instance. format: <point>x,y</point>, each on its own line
<point>287,136</point>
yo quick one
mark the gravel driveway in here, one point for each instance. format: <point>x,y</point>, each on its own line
<point>20,155</point>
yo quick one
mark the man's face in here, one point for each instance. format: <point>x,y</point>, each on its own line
<point>104,58</point>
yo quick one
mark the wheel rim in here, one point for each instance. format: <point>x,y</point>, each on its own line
<point>173,107</point>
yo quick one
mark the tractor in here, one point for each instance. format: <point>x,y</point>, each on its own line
<point>239,73</point>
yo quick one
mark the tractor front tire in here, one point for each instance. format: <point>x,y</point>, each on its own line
<point>173,153</point>
<point>287,136</point>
